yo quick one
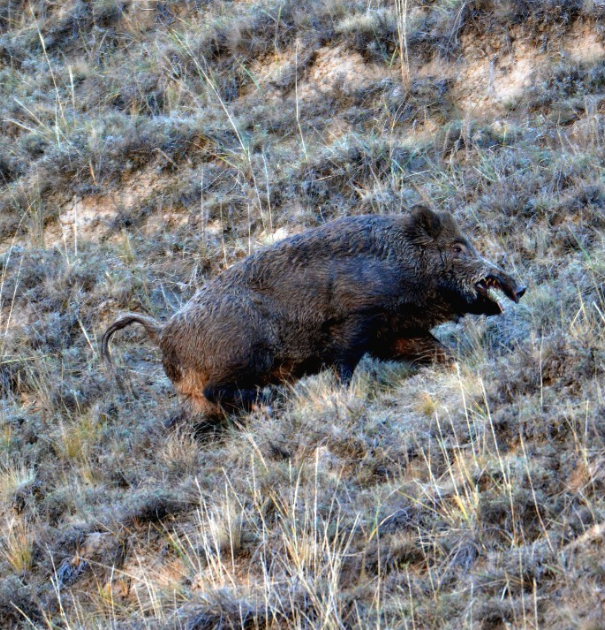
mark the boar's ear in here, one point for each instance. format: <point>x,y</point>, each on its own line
<point>425,223</point>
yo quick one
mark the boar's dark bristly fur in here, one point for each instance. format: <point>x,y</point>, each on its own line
<point>364,285</point>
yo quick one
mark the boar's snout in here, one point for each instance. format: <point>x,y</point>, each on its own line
<point>497,279</point>
<point>518,292</point>
<point>487,288</point>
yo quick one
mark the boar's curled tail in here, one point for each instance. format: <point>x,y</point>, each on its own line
<point>151,326</point>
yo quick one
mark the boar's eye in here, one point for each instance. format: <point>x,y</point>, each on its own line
<point>459,248</point>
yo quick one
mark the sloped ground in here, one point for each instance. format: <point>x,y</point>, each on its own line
<point>147,145</point>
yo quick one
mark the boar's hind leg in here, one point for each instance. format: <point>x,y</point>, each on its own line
<point>424,349</point>
<point>230,396</point>
<point>235,383</point>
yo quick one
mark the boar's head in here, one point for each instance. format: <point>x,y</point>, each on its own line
<point>465,280</point>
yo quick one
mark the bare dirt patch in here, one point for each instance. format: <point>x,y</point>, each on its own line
<point>584,43</point>
<point>329,67</point>
<point>89,218</point>
<point>484,82</point>
<point>334,65</point>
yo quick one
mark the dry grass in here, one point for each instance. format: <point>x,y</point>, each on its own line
<point>144,149</point>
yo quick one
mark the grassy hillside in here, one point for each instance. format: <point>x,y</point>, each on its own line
<point>145,146</point>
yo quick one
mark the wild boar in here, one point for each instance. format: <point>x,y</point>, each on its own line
<point>324,298</point>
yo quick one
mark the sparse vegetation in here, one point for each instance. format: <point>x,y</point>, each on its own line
<point>143,148</point>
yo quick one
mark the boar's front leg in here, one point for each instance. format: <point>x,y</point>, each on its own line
<point>423,349</point>
<point>350,340</point>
